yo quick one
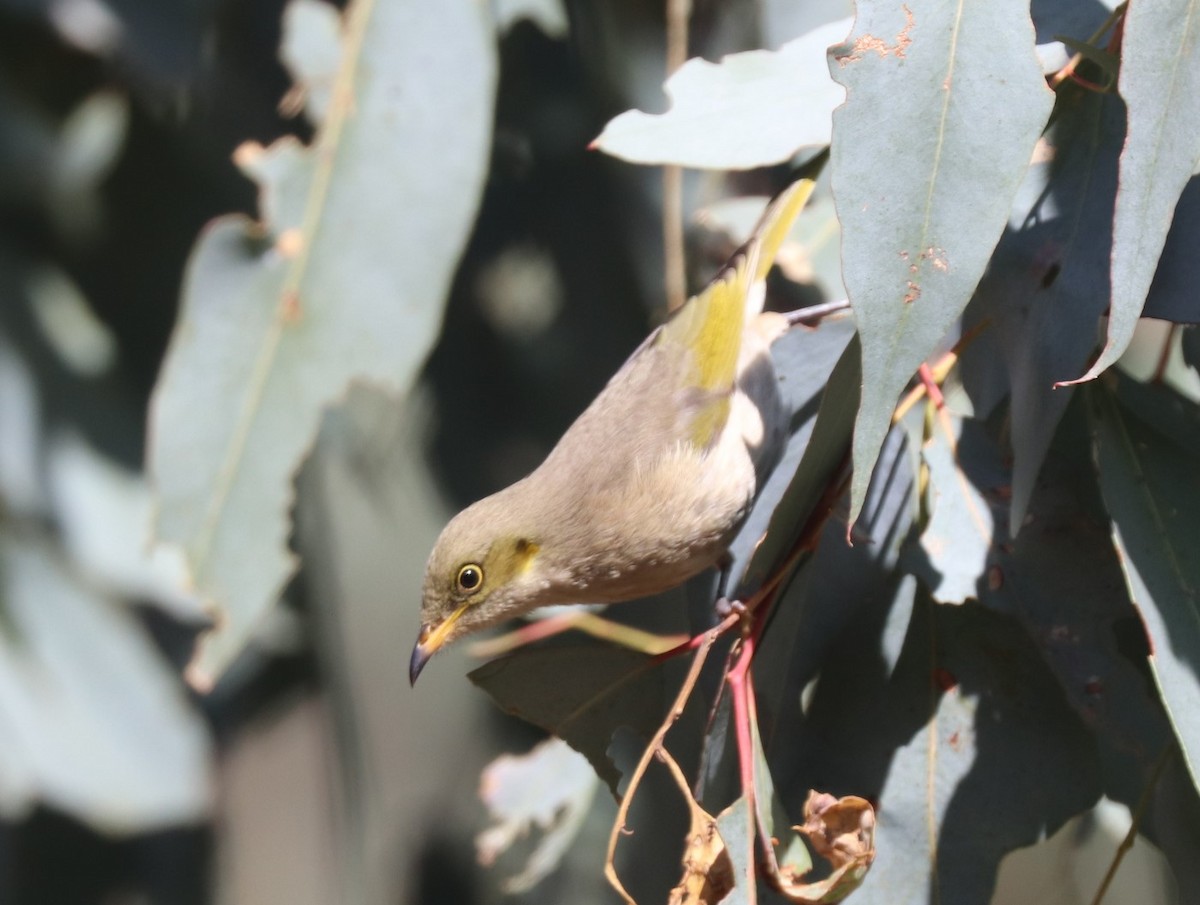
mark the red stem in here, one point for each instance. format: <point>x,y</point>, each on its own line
<point>932,390</point>
<point>692,643</point>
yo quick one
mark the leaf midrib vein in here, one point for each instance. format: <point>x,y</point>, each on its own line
<point>326,149</point>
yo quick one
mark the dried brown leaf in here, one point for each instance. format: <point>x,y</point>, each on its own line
<point>707,870</point>
<point>841,830</point>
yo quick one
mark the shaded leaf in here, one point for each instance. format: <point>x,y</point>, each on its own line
<point>829,597</point>
<point>1152,491</point>
<point>750,110</point>
<point>609,687</point>
<point>342,280</point>
<point>1062,581</point>
<point>1160,84</point>
<point>1173,294</point>
<point>812,460</point>
<point>1048,283</point>
<point>787,860</point>
<point>953,98</point>
<point>549,790</point>
<point>968,722</point>
<point>1190,342</point>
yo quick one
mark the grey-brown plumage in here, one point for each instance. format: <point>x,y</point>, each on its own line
<point>648,485</point>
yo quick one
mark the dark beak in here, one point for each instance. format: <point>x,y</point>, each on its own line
<point>430,641</point>
<point>420,655</point>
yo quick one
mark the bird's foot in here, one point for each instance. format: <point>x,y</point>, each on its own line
<point>726,607</point>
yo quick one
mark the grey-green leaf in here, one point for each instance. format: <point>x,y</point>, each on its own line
<point>342,280</point>
<point>581,692</point>
<point>93,719</point>
<point>953,98</point>
<point>546,791</point>
<point>1160,83</point>
<point>968,721</point>
<point>750,110</point>
<point>1048,283</point>
<point>961,529</point>
<point>1151,487</point>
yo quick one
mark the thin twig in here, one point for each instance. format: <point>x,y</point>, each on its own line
<point>807,316</point>
<point>635,778</point>
<point>675,278</point>
<point>1135,821</point>
<point>582,621</point>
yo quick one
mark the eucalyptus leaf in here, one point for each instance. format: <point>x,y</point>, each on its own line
<point>342,280</point>
<point>1173,295</point>
<point>961,529</point>
<point>1049,281</point>
<point>1160,84</point>
<point>953,98</point>
<point>608,687</point>
<point>750,110</point>
<point>736,826</point>
<point>967,722</point>
<point>546,791</point>
<point>1152,490</point>
<point>94,721</point>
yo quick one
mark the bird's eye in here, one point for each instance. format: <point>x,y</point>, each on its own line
<point>470,577</point>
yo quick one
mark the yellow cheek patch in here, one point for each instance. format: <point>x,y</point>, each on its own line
<point>507,560</point>
<point>526,552</point>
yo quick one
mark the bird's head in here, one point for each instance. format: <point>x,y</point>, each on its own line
<point>482,571</point>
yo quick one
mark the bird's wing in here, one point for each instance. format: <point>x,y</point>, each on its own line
<point>703,338</point>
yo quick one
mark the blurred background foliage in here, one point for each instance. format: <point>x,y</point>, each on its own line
<point>302,768</point>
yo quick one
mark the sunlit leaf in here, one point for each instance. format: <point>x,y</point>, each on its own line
<point>961,531</point>
<point>342,280</point>
<point>750,110</point>
<point>1160,84</point>
<point>546,791</point>
<point>104,513</point>
<point>953,98</point>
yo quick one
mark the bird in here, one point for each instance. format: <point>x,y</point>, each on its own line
<point>648,486</point>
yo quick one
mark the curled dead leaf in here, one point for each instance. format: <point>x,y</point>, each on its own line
<point>707,869</point>
<point>841,830</point>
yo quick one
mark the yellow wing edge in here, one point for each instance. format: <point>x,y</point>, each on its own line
<point>710,324</point>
